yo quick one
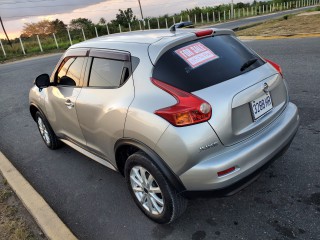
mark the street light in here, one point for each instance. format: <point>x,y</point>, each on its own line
<point>144,24</point>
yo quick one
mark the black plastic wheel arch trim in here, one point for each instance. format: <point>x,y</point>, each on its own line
<point>37,107</point>
<point>157,160</point>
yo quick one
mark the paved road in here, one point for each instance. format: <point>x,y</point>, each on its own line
<point>242,22</point>
<point>284,203</point>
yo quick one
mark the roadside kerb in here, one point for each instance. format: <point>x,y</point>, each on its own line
<point>47,219</point>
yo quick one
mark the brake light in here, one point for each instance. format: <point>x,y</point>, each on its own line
<point>203,33</point>
<point>276,66</point>
<point>188,110</point>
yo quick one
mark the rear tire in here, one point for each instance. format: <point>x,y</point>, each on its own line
<point>46,132</point>
<point>151,191</point>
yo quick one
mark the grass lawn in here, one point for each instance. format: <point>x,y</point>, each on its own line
<point>307,22</point>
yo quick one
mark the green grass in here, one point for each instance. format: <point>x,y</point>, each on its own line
<point>5,194</point>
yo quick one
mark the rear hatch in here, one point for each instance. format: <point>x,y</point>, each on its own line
<point>244,91</point>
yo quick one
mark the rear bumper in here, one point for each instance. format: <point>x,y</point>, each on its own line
<point>247,157</point>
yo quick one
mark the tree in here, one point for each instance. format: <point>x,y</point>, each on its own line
<point>58,26</point>
<point>102,21</point>
<point>124,17</point>
<point>43,27</point>
<point>77,24</point>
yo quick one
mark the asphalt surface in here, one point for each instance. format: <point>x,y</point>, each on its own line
<point>284,203</point>
<point>256,19</point>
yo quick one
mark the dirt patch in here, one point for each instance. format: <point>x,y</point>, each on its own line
<point>15,221</point>
<point>287,25</point>
<point>309,13</point>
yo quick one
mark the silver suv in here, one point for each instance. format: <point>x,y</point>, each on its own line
<point>175,112</point>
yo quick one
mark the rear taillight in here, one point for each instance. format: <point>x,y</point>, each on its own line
<point>188,110</point>
<point>276,66</point>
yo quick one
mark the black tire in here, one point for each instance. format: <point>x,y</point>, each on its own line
<point>173,204</point>
<point>50,138</point>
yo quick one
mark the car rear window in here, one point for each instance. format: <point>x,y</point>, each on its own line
<point>223,59</point>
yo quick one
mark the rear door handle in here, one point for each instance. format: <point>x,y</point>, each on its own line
<point>69,104</point>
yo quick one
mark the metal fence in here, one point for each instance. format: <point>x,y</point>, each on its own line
<point>63,40</point>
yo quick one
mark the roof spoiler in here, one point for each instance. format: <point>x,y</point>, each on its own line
<point>187,24</point>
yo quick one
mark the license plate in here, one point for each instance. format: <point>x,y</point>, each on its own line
<point>261,105</point>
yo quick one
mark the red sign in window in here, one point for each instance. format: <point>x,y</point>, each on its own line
<point>196,54</point>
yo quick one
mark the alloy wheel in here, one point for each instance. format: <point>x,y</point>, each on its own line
<point>146,190</point>
<point>43,131</point>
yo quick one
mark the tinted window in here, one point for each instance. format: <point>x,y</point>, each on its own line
<point>174,70</point>
<point>70,72</point>
<point>106,73</point>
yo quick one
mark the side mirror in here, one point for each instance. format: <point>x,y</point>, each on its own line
<point>42,81</point>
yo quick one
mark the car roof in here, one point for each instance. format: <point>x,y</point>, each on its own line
<point>157,41</point>
<point>141,36</point>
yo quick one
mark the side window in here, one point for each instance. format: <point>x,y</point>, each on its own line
<point>70,72</point>
<point>107,73</point>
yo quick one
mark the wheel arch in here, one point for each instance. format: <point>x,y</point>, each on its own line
<point>33,108</point>
<point>127,146</point>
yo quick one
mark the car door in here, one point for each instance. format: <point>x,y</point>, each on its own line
<point>104,100</point>
<point>60,104</point>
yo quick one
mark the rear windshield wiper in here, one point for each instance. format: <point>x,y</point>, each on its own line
<point>248,64</point>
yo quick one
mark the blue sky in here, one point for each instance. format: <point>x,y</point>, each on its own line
<point>15,13</point>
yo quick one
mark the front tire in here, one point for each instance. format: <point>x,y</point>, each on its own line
<point>151,191</point>
<point>46,132</point>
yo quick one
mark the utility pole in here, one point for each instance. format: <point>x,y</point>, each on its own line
<point>232,9</point>
<point>4,30</point>
<point>144,24</point>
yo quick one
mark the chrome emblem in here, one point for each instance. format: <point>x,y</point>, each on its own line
<point>208,146</point>
<point>266,88</point>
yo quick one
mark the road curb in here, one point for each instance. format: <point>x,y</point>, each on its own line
<point>285,36</point>
<point>47,219</point>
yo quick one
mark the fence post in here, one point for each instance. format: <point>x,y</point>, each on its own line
<point>195,19</point>
<point>84,36</point>
<point>55,40</point>
<point>149,24</point>
<point>129,27</point>
<point>140,24</point>
<point>158,23</point>
<point>238,12</point>
<point>247,12</point>
<point>107,28</point>
<point>263,9</point>
<point>22,46</point>
<point>97,31</point>
<point>174,20</point>
<point>207,17</point>
<point>201,18</point>
<point>69,36</point>
<point>181,18</point>
<point>4,52</point>
<point>213,17</point>
<point>224,15</point>
<point>219,17</point>
<point>120,28</point>
<point>243,12</point>
<point>39,43</point>
<point>166,23</point>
